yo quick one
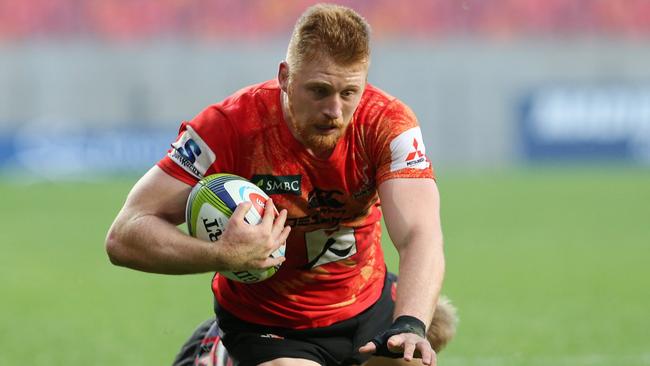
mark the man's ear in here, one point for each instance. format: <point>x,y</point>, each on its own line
<point>283,76</point>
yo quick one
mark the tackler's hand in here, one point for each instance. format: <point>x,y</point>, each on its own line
<point>405,338</point>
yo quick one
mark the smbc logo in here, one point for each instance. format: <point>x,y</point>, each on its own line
<point>279,184</point>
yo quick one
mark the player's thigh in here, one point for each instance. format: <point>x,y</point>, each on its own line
<point>385,361</point>
<point>285,361</point>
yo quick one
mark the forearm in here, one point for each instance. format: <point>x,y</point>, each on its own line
<point>149,243</point>
<point>422,268</point>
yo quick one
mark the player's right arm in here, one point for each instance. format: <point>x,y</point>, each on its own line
<point>144,235</point>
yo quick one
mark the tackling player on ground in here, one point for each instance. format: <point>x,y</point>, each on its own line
<point>334,153</point>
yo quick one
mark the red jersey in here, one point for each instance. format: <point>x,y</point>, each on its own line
<point>334,266</point>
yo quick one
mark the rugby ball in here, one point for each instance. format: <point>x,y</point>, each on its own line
<point>209,207</point>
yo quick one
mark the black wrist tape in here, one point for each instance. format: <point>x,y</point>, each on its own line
<point>403,324</point>
<point>413,324</point>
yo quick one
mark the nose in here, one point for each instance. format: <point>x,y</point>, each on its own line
<point>333,108</point>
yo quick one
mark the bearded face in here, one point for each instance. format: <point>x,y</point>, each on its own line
<point>316,132</point>
<point>320,100</point>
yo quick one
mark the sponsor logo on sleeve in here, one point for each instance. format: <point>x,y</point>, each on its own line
<point>279,184</point>
<point>192,153</point>
<point>408,151</point>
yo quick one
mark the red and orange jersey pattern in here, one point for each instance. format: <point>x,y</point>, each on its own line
<point>334,266</point>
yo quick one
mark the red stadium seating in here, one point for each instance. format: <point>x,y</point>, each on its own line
<point>220,19</point>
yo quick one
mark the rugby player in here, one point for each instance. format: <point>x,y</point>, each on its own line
<point>334,153</point>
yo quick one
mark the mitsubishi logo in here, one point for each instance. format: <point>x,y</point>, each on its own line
<point>415,153</point>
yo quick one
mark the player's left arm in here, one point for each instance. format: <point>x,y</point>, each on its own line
<point>411,208</point>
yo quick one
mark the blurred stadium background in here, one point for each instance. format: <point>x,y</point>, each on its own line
<point>536,114</point>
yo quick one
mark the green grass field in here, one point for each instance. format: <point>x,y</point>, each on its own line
<point>547,267</point>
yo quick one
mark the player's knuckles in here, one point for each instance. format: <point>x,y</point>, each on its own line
<point>264,247</point>
<point>257,235</point>
<point>284,234</point>
<point>276,245</point>
<point>237,226</point>
<point>424,344</point>
<point>270,243</point>
<point>281,219</point>
<point>287,229</point>
<point>242,209</point>
<point>396,341</point>
<point>277,229</point>
<point>409,349</point>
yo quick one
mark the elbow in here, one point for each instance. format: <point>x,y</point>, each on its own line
<point>115,249</point>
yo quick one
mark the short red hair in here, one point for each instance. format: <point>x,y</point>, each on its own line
<point>329,30</point>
